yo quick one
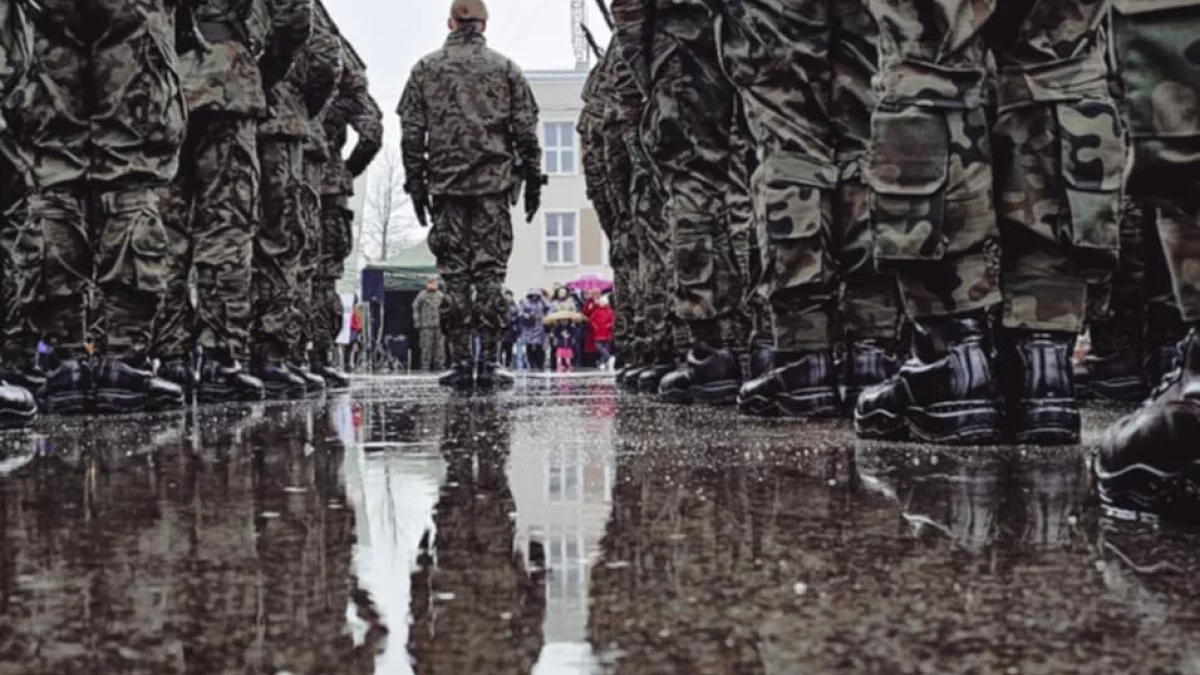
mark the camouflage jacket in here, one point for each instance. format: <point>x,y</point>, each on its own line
<point>637,23</point>
<point>309,85</point>
<point>426,309</point>
<point>225,76</point>
<point>467,114</point>
<point>14,45</point>
<point>352,105</point>
<point>590,128</point>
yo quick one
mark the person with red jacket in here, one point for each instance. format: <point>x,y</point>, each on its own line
<point>601,318</point>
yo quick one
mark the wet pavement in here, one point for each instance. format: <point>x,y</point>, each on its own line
<point>563,528</point>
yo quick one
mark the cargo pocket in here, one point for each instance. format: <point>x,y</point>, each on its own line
<point>795,206</point>
<point>907,172</point>
<point>149,247</point>
<point>1092,147</point>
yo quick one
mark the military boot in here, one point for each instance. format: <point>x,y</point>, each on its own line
<point>313,383</point>
<point>278,381</point>
<point>492,375</point>
<point>1165,330</point>
<point>1039,388</point>
<point>868,363</point>
<point>460,376</point>
<point>223,379</point>
<point>650,377</point>
<point>69,386</point>
<point>708,375</point>
<point>1149,462</point>
<point>944,394</point>
<point>18,406</point>
<point>179,371</point>
<point>125,384</point>
<point>334,378</point>
<point>805,385</point>
<point>762,355</point>
<point>1113,368</point>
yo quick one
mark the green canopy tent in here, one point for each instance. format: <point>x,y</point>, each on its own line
<point>389,287</point>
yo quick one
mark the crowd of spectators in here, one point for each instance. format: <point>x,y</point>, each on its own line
<point>582,340</point>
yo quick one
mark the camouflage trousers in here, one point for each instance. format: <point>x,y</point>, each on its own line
<point>303,300</point>
<point>472,240</point>
<point>808,113</point>
<point>20,338</point>
<point>628,331</point>
<point>941,211</point>
<point>432,347</point>
<point>278,246</point>
<point>686,131</point>
<point>1156,50</point>
<point>336,242</point>
<point>99,123</point>
<point>210,211</point>
<point>656,260</point>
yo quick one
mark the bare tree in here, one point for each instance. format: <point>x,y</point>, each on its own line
<point>388,224</point>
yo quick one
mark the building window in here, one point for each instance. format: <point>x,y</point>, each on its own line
<point>562,238</point>
<point>559,152</point>
<point>567,566</point>
<point>564,476</point>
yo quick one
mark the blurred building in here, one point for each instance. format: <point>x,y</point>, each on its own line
<point>564,241</point>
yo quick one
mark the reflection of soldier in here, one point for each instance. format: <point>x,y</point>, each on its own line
<point>467,91</point>
<point>427,313</point>
<point>100,123</point>
<point>472,581</point>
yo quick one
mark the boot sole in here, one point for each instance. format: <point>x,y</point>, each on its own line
<point>1047,422</point>
<point>724,392</point>
<point>880,425</point>
<point>1143,493</point>
<point>806,404</point>
<point>120,401</point>
<point>226,395</point>
<point>959,423</point>
<point>278,393</point>
<point>13,419</point>
<point>73,404</point>
<point>1122,390</point>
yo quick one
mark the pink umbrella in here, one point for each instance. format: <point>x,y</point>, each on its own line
<point>590,282</point>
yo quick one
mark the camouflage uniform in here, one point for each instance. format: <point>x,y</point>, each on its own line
<point>427,320</point>
<point>687,131</point>
<point>467,114</point>
<point>211,207</point>
<point>1058,158</point>
<point>351,105</point>
<point>99,123</point>
<point>1155,41</point>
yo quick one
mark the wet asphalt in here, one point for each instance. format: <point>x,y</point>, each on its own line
<point>563,528</point>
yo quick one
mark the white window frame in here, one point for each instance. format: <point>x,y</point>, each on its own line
<point>574,148</point>
<point>566,463</point>
<point>559,566</point>
<point>546,238</point>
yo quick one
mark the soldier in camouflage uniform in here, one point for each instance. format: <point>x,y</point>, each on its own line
<point>1147,461</point>
<point>468,116</point>
<point>211,207</point>
<point>804,71</point>
<point>99,123</point>
<point>671,50</point>
<point>1058,148</point>
<point>427,308</point>
<point>17,403</point>
<point>287,212</point>
<point>351,106</point>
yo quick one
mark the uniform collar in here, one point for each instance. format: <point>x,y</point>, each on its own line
<point>465,36</point>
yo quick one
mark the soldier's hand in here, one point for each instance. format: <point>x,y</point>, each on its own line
<point>420,202</point>
<point>533,196</point>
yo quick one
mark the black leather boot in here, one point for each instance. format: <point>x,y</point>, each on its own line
<point>24,372</point>
<point>708,375</point>
<point>1149,462</point>
<point>180,372</point>
<point>804,386</point>
<point>945,394</point>
<point>18,406</point>
<point>868,363</point>
<point>1114,376</point>
<point>223,379</point>
<point>649,378</point>
<point>313,383</point>
<point>1039,388</point>
<point>492,375</point>
<point>278,381</point>
<point>125,384</point>
<point>460,376</point>
<point>762,355</point>
<point>1165,331</point>
<point>334,378</point>
<point>69,386</point>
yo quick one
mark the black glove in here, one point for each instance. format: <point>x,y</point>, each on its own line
<point>420,201</point>
<point>533,195</point>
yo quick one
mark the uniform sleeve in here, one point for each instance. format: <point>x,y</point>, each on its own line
<point>291,26</point>
<point>322,67</point>
<point>364,116</point>
<point>12,45</point>
<point>630,38</point>
<point>525,122</point>
<point>414,127</point>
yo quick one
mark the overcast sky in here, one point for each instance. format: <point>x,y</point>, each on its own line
<point>391,35</point>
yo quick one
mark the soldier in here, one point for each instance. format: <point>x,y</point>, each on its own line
<point>281,238</point>
<point>468,117</point>
<point>211,207</point>
<point>351,105</point>
<point>1147,462</point>
<point>671,49</point>
<point>100,123</point>
<point>809,114</point>
<point>17,403</point>
<point>1058,157</point>
<point>427,310</point>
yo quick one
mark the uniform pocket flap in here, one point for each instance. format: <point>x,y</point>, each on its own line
<point>911,157</point>
<point>1092,145</point>
<point>794,196</point>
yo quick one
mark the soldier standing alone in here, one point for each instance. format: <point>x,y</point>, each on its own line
<point>426,316</point>
<point>469,121</point>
